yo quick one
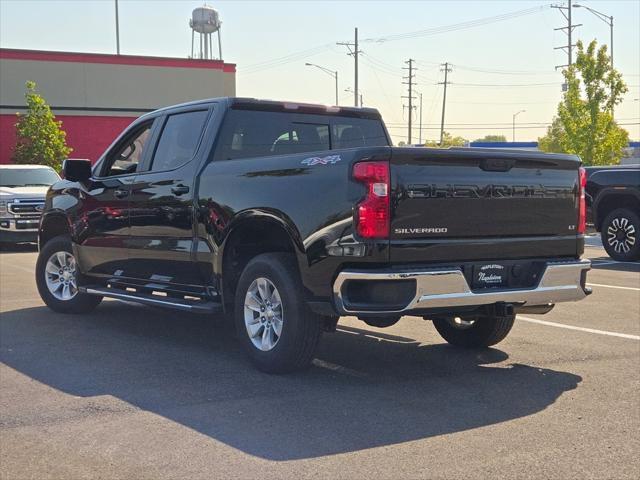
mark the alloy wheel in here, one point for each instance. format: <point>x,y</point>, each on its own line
<point>621,235</point>
<point>263,314</point>
<point>60,276</point>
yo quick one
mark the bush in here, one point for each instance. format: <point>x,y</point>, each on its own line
<point>40,138</point>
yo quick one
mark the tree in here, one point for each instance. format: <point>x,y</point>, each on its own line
<point>40,138</point>
<point>447,141</point>
<point>585,126</point>
<point>492,139</point>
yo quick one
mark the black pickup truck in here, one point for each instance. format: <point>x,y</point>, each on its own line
<point>287,216</point>
<point>613,206</point>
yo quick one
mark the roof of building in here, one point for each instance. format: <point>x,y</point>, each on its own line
<point>135,60</point>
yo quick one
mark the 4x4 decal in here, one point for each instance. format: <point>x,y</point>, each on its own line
<point>330,159</point>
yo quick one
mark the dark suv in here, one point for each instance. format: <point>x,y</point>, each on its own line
<point>613,204</point>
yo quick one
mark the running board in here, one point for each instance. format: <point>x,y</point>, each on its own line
<point>196,306</point>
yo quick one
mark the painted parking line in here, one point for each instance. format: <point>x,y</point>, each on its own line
<point>17,266</point>
<point>596,263</point>
<point>600,285</point>
<point>580,329</point>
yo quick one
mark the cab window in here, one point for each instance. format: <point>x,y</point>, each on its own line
<point>247,134</point>
<point>179,140</point>
<point>126,158</point>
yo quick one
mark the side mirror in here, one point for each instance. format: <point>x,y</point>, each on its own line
<point>76,170</point>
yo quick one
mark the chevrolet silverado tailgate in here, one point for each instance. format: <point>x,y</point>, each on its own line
<point>482,204</point>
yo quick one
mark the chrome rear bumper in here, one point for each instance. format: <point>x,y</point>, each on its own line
<point>442,288</point>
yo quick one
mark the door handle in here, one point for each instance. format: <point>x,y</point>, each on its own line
<point>121,193</point>
<point>180,190</point>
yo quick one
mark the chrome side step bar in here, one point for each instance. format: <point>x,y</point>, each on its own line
<point>195,306</point>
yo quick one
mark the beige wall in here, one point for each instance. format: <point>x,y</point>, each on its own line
<point>88,85</point>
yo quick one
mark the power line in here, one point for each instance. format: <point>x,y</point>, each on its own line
<point>483,127</point>
<point>383,90</point>
<point>504,124</point>
<point>507,103</point>
<point>379,65</point>
<point>497,71</point>
<point>292,57</point>
<point>457,26</point>
<point>510,85</point>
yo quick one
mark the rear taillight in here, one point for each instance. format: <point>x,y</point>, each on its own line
<point>372,213</point>
<point>582,203</point>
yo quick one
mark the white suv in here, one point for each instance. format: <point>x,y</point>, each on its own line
<point>22,193</point>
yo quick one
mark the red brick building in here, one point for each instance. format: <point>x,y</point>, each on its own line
<point>96,95</point>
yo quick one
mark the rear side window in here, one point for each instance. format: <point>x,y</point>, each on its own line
<point>247,134</point>
<point>179,140</point>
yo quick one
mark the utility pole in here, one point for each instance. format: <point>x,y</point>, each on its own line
<point>513,137</point>
<point>420,134</point>
<point>409,82</point>
<point>353,51</point>
<point>446,69</point>
<point>355,58</point>
<point>117,30</point>
<point>568,48</point>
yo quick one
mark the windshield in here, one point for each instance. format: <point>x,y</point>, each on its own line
<point>27,177</point>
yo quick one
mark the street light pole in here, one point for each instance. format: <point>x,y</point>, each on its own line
<point>117,30</point>
<point>350,90</point>
<point>332,73</point>
<point>609,21</point>
<point>513,138</point>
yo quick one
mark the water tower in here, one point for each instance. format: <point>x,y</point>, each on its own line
<point>205,21</point>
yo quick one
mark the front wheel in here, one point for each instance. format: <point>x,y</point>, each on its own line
<point>619,234</point>
<point>57,278</point>
<point>275,326</point>
<point>482,331</point>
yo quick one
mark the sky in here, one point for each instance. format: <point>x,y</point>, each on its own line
<point>498,66</point>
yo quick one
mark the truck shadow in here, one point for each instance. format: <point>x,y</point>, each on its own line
<point>371,389</point>
<point>606,263</point>
<point>18,247</point>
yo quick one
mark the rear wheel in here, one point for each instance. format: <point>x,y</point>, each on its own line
<point>619,234</point>
<point>275,326</point>
<point>482,331</point>
<point>58,278</point>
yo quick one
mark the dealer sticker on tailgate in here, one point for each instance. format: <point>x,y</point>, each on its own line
<point>490,275</point>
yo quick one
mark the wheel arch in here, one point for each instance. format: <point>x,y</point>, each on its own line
<point>252,233</point>
<point>52,224</point>
<point>611,199</point>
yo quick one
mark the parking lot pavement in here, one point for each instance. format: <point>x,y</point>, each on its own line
<point>133,392</point>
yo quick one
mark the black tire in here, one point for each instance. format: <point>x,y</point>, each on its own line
<point>484,332</point>
<point>381,322</point>
<point>81,302</point>
<point>621,231</point>
<point>301,328</point>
